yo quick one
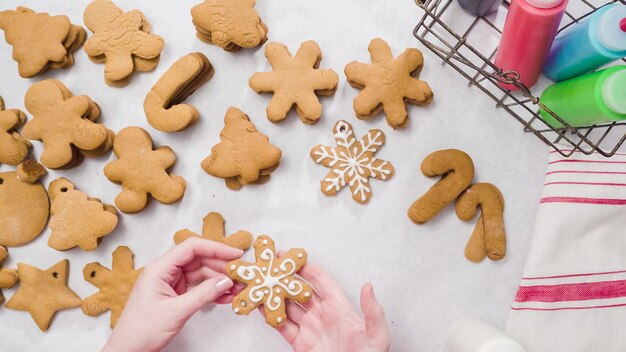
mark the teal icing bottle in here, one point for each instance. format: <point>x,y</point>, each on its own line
<point>595,98</point>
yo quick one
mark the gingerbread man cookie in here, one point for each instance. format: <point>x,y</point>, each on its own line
<point>352,162</point>
<point>8,277</point>
<point>43,293</point>
<point>229,24</point>
<point>163,104</point>
<point>244,156</point>
<point>13,147</point>
<point>142,170</point>
<point>122,40</point>
<point>77,219</point>
<point>213,230</point>
<point>64,123</point>
<point>488,238</point>
<point>24,209</point>
<point>295,81</point>
<point>115,285</point>
<point>270,281</point>
<point>388,83</point>
<point>40,41</point>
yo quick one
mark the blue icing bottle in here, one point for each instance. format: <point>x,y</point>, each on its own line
<point>583,47</point>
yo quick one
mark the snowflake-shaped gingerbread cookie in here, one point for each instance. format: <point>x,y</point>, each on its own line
<point>352,162</point>
<point>388,83</point>
<point>271,280</point>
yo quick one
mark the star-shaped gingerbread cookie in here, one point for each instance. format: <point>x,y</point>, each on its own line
<point>388,83</point>
<point>43,293</point>
<point>13,147</point>
<point>352,162</point>
<point>295,81</point>
<point>142,170</point>
<point>213,230</point>
<point>8,277</point>
<point>271,280</point>
<point>115,285</point>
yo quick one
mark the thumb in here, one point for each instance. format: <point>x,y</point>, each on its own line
<point>375,324</point>
<point>205,292</point>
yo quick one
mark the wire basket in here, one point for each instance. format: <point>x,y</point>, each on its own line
<point>474,62</point>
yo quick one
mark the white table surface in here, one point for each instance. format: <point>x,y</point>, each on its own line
<point>419,272</point>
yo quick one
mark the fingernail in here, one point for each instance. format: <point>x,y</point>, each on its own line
<point>224,284</point>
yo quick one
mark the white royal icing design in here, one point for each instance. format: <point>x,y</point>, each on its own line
<point>350,167</point>
<point>265,290</point>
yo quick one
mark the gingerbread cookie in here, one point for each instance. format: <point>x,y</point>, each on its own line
<point>8,277</point>
<point>488,238</point>
<point>388,83</point>
<point>40,41</point>
<point>295,81</point>
<point>77,219</point>
<point>64,123</point>
<point>352,162</point>
<point>270,281</point>
<point>43,293</point>
<point>13,147</point>
<point>244,156</point>
<point>163,104</point>
<point>229,24</point>
<point>213,230</point>
<point>114,285</point>
<point>456,169</point>
<point>121,40</point>
<point>24,209</point>
<point>142,170</point>
<point>30,171</point>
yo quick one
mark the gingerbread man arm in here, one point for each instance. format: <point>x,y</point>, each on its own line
<point>95,304</point>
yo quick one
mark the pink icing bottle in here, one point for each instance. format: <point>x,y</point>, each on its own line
<point>529,30</point>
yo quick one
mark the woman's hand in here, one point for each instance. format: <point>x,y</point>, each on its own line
<point>169,291</point>
<point>329,321</point>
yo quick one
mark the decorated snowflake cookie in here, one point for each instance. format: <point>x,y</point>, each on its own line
<point>271,281</point>
<point>352,162</point>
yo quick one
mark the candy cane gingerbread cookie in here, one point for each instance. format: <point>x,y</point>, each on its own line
<point>271,280</point>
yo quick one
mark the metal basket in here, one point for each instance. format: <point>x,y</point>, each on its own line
<point>459,52</point>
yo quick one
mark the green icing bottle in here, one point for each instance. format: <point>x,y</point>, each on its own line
<point>594,98</point>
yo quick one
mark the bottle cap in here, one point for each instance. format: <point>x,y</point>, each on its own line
<point>545,4</point>
<point>612,30</point>
<point>614,92</point>
<point>471,334</point>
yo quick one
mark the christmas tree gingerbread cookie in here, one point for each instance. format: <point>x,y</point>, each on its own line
<point>42,293</point>
<point>295,81</point>
<point>213,230</point>
<point>142,170</point>
<point>270,281</point>
<point>244,156</point>
<point>115,284</point>
<point>352,162</point>
<point>13,147</point>
<point>77,219</point>
<point>388,83</point>
<point>8,277</point>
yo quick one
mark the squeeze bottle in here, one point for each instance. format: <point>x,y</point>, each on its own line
<point>529,30</point>
<point>598,97</point>
<point>480,7</point>
<point>471,334</point>
<point>596,41</point>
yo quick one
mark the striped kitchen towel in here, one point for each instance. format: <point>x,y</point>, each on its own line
<point>572,296</point>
